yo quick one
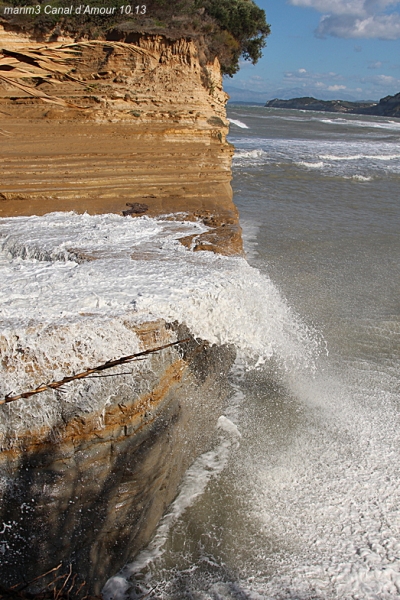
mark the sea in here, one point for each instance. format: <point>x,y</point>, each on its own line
<point>299,499</point>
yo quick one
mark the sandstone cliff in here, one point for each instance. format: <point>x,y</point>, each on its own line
<point>91,127</point>
<point>130,122</point>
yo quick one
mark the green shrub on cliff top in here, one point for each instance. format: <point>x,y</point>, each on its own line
<point>228,29</point>
<point>246,28</point>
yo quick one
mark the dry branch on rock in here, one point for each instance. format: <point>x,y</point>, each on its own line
<point>61,587</point>
<point>54,385</point>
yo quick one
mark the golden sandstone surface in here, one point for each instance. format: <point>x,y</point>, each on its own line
<point>111,123</point>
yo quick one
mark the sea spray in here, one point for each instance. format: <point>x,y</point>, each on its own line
<point>318,469</point>
<point>208,465</point>
<point>61,315</point>
<point>76,285</point>
<point>135,269</point>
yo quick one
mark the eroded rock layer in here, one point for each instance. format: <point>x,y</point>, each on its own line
<point>88,487</point>
<point>94,126</point>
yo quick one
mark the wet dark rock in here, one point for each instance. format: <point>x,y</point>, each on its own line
<point>90,494</point>
<point>136,208</point>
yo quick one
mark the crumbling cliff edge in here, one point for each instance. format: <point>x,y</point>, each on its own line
<point>132,125</point>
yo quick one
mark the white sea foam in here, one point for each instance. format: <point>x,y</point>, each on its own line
<point>249,234</point>
<point>382,157</point>
<point>332,157</point>
<point>51,306</point>
<point>332,495</point>
<point>361,178</point>
<point>227,425</point>
<point>247,158</point>
<point>257,153</point>
<point>207,466</point>
<point>213,294</point>
<point>394,125</point>
<point>238,123</point>
<point>311,165</point>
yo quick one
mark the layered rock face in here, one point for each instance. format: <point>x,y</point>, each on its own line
<point>87,472</point>
<point>111,123</point>
<point>92,469</point>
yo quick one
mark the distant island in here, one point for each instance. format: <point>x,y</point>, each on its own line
<point>386,107</point>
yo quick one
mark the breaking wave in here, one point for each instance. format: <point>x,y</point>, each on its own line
<point>361,157</point>
<point>311,165</point>
<point>238,123</point>
<point>129,271</point>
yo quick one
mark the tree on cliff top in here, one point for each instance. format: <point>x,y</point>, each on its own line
<point>243,31</point>
<point>228,29</point>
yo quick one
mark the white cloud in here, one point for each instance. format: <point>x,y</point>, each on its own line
<point>337,7</point>
<point>336,88</point>
<point>381,84</point>
<point>304,75</point>
<point>356,18</point>
<point>384,27</point>
<point>386,79</point>
<point>375,64</point>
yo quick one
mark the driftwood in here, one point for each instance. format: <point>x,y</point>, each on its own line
<point>62,587</point>
<point>54,385</point>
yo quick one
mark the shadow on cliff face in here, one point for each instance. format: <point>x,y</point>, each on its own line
<point>92,504</point>
<point>84,511</point>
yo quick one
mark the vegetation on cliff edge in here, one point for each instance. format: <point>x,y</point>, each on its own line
<point>228,29</point>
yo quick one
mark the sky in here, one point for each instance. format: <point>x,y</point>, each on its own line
<point>329,49</point>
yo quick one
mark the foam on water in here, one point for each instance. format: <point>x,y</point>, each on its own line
<point>213,294</point>
<point>238,123</point>
<point>333,496</point>
<point>311,165</point>
<point>361,178</point>
<point>361,157</point>
<point>394,125</point>
<point>257,153</point>
<point>333,158</point>
<point>209,465</point>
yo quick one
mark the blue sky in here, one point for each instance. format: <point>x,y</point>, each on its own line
<point>348,49</point>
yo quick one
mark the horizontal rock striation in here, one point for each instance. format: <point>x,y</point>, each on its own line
<point>104,123</point>
<point>93,467</point>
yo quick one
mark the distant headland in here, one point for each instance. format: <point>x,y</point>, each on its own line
<point>386,107</point>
